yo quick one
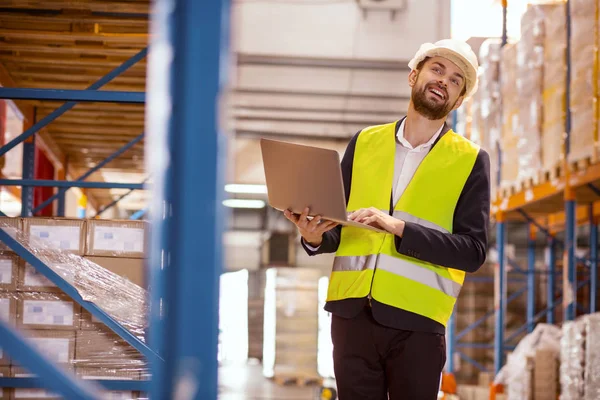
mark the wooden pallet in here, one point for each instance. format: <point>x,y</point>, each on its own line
<point>297,380</point>
<point>551,174</point>
<point>582,164</point>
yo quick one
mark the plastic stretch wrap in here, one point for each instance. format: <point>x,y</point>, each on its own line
<point>592,356</point>
<point>584,79</point>
<point>59,326</point>
<point>554,89</point>
<point>518,372</point>
<point>487,115</point>
<point>572,358</point>
<point>530,62</point>
<point>510,115</point>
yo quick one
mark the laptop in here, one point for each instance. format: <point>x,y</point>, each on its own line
<point>300,176</point>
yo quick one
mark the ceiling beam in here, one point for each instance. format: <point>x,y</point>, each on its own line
<point>60,77</point>
<point>25,49</point>
<point>80,86</point>
<point>320,62</point>
<point>105,7</point>
<point>314,93</point>
<point>31,17</point>
<point>69,37</point>
<point>55,60</point>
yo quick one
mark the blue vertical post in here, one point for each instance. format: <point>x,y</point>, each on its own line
<point>593,260</point>
<point>28,173</point>
<point>451,342</point>
<point>531,279</point>
<point>551,279</point>
<point>500,295</point>
<point>570,267</point>
<point>187,68</point>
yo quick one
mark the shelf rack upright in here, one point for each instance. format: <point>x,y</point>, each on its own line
<point>185,153</point>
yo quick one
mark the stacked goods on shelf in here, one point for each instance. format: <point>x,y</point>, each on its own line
<point>554,88</point>
<point>487,117</point>
<point>103,260</point>
<point>530,62</point>
<point>475,300</point>
<point>291,324</point>
<point>510,116</point>
<point>584,80</point>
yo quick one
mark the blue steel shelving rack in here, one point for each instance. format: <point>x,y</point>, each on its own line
<point>570,285</point>
<point>185,157</point>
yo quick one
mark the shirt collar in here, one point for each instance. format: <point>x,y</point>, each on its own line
<point>405,143</point>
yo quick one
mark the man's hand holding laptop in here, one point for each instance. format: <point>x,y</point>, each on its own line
<point>311,230</point>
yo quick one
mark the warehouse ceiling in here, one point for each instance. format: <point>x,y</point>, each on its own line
<point>313,71</point>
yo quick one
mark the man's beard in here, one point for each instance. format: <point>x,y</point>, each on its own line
<point>428,108</point>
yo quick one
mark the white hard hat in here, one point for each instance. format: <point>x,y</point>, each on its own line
<point>457,51</point>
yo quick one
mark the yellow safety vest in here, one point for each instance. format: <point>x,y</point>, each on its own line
<point>366,262</point>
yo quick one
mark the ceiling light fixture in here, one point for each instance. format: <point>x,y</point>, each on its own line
<point>243,203</point>
<point>246,188</point>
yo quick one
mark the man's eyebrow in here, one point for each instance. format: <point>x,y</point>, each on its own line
<point>443,66</point>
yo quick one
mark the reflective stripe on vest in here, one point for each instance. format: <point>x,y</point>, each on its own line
<point>367,262</point>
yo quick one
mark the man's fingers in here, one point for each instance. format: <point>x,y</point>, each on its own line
<point>313,225</point>
<point>327,226</point>
<point>291,216</point>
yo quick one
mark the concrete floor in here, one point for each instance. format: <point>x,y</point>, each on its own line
<point>246,382</point>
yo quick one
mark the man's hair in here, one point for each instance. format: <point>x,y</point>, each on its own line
<point>422,64</point>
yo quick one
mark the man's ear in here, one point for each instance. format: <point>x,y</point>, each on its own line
<point>459,102</point>
<point>412,78</point>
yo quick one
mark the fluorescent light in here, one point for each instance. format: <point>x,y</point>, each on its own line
<point>246,188</point>
<point>243,203</point>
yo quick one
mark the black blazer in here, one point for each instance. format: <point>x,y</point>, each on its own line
<point>464,249</point>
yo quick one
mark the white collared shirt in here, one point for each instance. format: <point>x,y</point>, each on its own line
<point>408,159</point>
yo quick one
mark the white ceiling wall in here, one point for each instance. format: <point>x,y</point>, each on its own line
<point>317,71</point>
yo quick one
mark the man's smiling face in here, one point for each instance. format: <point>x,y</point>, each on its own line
<point>438,87</point>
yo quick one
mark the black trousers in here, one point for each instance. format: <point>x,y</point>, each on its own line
<point>374,362</point>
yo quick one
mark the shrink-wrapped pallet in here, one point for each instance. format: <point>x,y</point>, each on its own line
<point>592,356</point>
<point>530,61</point>
<point>519,373</point>
<point>510,116</point>
<point>572,359</point>
<point>584,80</point>
<point>57,325</point>
<point>291,328</point>
<point>554,89</point>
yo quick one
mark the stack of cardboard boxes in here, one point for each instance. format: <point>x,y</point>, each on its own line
<point>584,79</point>
<point>554,89</point>
<point>510,116</point>
<point>57,325</point>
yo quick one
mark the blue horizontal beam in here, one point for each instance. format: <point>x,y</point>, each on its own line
<point>67,106</point>
<point>50,376</point>
<point>470,360</point>
<point>108,384</point>
<point>70,291</point>
<point>69,184</point>
<point>83,177</point>
<point>100,96</point>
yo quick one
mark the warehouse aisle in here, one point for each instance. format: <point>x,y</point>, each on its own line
<point>246,382</point>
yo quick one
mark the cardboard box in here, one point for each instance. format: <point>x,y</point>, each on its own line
<point>47,311</point>
<point>132,269</point>
<point>12,226</point>
<point>111,374</point>
<point>57,346</point>
<point>5,393</point>
<point>116,238</point>
<point>30,280</point>
<point>8,313</point>
<point>9,264</point>
<point>58,233</point>
<point>102,348</point>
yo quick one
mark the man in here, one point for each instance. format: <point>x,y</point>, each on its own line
<point>391,294</point>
